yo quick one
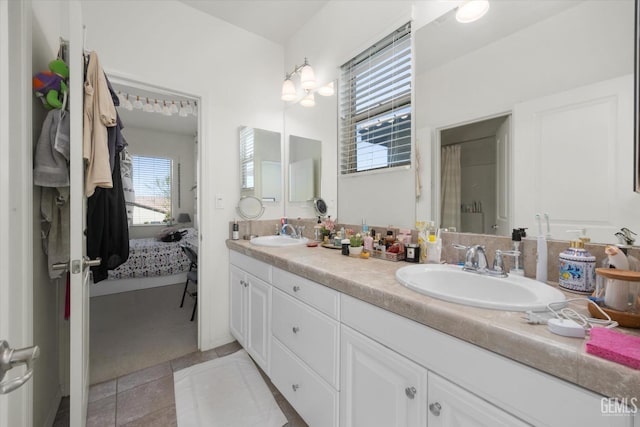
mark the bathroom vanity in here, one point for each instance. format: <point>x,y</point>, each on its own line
<point>347,345</point>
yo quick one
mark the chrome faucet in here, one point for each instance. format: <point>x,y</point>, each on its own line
<point>283,230</point>
<point>476,260</point>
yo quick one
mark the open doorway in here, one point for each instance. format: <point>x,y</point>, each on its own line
<point>138,315</point>
<point>474,176</point>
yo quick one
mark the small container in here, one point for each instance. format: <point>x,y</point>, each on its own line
<point>345,246</point>
<point>412,253</point>
<point>235,233</point>
<point>577,269</point>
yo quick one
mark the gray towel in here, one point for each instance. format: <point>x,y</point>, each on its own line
<point>51,167</point>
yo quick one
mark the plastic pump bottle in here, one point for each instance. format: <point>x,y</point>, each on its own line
<point>541,257</point>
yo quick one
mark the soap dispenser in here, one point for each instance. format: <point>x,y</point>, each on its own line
<point>516,237</point>
<point>577,270</point>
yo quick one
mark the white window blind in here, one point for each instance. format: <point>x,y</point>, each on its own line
<point>152,182</point>
<point>246,157</point>
<point>375,106</point>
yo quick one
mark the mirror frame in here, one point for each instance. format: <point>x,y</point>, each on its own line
<point>636,102</point>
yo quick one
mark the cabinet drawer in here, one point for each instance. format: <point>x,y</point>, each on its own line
<point>311,397</point>
<point>316,295</point>
<point>311,335</point>
<point>259,269</point>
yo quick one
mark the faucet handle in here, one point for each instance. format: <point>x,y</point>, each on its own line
<point>461,247</point>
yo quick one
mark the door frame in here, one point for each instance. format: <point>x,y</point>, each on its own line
<point>203,316</point>
<point>436,148</point>
<point>16,209</point>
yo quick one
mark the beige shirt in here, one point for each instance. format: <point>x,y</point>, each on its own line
<point>99,113</point>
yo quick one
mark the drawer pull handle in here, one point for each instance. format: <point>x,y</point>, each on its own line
<point>295,387</point>
<point>296,288</point>
<point>410,392</point>
<point>295,329</point>
<point>435,409</point>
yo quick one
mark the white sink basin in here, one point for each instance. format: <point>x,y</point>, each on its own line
<point>451,283</point>
<point>278,241</point>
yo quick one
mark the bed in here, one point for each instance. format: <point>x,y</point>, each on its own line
<point>151,263</point>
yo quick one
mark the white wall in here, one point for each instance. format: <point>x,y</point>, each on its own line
<point>238,76</point>
<point>329,39</point>
<point>47,294</point>
<point>180,149</point>
<point>587,43</point>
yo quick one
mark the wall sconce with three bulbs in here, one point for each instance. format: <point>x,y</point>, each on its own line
<point>307,83</point>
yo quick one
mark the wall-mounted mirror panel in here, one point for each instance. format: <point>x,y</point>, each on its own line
<point>305,169</point>
<point>260,164</point>
<point>562,73</point>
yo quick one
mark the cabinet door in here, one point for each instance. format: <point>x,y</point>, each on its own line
<point>258,333</point>
<point>378,386</point>
<point>237,310</point>
<point>452,406</point>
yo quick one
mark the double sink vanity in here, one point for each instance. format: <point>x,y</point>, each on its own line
<point>348,345</point>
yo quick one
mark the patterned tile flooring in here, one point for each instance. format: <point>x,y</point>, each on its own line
<point>145,398</point>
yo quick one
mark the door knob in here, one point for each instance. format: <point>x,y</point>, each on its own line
<point>10,358</point>
<point>435,408</point>
<point>295,329</point>
<point>76,265</point>
<point>410,392</point>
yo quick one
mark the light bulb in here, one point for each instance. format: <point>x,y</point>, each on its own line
<point>472,10</point>
<point>157,107</point>
<point>194,111</point>
<point>307,77</point>
<point>165,109</point>
<point>127,104</point>
<point>308,100</point>
<point>148,107</point>
<point>183,110</point>
<point>188,108</point>
<point>173,108</point>
<point>327,90</point>
<point>289,90</point>
<point>137,103</point>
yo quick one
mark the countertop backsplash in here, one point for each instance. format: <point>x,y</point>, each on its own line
<point>450,254</point>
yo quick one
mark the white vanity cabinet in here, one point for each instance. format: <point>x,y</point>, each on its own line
<point>250,304</point>
<point>305,346</point>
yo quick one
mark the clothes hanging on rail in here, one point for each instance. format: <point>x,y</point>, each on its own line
<point>116,141</point>
<point>99,114</point>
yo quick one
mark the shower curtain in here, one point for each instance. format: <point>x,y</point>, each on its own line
<point>450,199</point>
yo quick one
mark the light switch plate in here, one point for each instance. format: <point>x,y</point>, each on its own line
<point>219,201</point>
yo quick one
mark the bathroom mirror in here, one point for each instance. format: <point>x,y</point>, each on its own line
<point>542,64</point>
<point>260,164</point>
<point>305,168</point>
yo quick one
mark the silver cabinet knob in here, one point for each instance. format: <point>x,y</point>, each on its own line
<point>435,408</point>
<point>296,288</point>
<point>295,387</point>
<point>295,329</point>
<point>410,392</point>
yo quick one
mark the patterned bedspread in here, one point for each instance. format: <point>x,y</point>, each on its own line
<point>150,257</point>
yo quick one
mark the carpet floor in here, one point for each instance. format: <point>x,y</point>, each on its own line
<point>135,330</point>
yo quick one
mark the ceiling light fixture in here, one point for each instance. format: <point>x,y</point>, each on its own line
<point>326,90</point>
<point>308,101</point>
<point>472,10</point>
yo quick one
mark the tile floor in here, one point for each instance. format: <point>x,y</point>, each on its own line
<point>145,398</point>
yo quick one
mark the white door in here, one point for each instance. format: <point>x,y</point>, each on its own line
<point>503,150</point>
<point>79,317</point>
<point>237,309</point>
<point>16,212</point>
<point>378,386</point>
<point>258,333</point>
<point>452,406</point>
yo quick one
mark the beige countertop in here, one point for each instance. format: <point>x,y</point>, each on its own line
<point>503,332</point>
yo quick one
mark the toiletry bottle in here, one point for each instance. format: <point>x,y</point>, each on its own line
<point>541,255</point>
<point>518,265</point>
<point>365,227</point>
<point>434,249</point>
<point>345,246</point>
<point>577,269</point>
<point>368,242</point>
<point>235,234</point>
<point>389,239</point>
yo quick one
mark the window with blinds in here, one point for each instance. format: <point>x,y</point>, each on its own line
<point>152,180</point>
<point>247,139</point>
<point>375,106</point>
